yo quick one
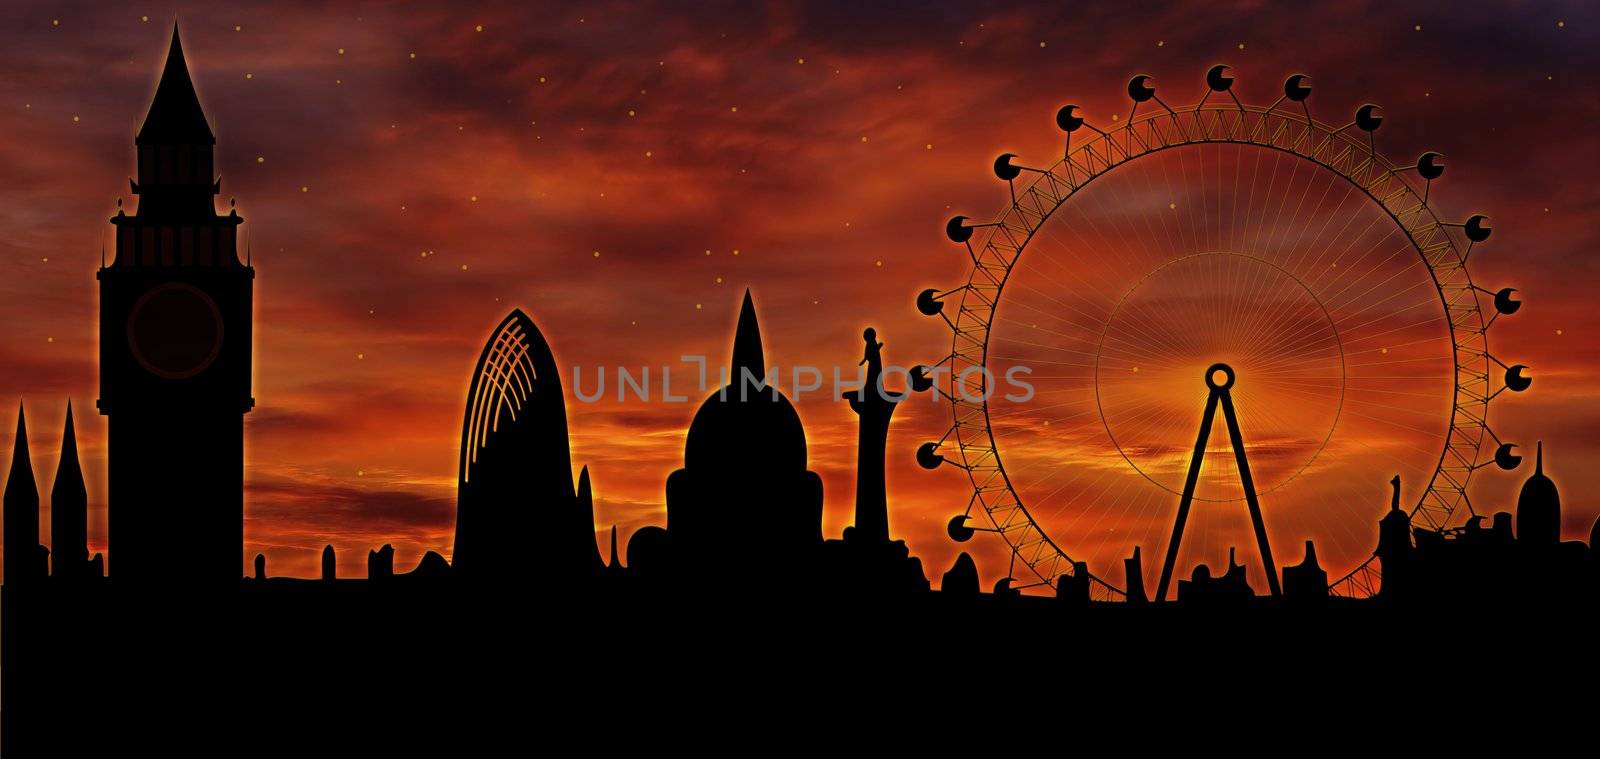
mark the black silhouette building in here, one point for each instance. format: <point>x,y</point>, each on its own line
<point>1395,552</point>
<point>25,563</point>
<point>1307,581</point>
<point>517,515</point>
<point>69,512</point>
<point>1539,510</point>
<point>744,487</point>
<point>175,355</point>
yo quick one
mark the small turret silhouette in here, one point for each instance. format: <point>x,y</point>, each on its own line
<point>330,564</point>
<point>261,566</point>
<point>1133,568</point>
<point>380,563</point>
<point>1306,581</point>
<point>962,579</point>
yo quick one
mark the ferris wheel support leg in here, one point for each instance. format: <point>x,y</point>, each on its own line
<point>1250,493</point>
<point>1188,497</point>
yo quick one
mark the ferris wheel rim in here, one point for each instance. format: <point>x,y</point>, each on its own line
<point>1374,170</point>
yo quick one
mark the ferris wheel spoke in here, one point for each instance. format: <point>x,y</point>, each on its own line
<point>1091,327</point>
<point>1415,261</point>
<point>1419,304</point>
<point>1427,297</point>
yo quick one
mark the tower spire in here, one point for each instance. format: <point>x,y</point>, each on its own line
<point>175,116</point>
<point>69,507</point>
<point>1538,458</point>
<point>21,503</point>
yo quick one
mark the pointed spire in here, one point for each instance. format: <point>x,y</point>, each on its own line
<point>747,345</point>
<point>69,507</point>
<point>21,518</point>
<point>1538,459</point>
<point>21,463</point>
<point>69,466</point>
<point>585,493</point>
<point>175,116</point>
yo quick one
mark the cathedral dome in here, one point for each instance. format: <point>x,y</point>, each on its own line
<point>756,429</point>
<point>1539,507</point>
<point>760,432</point>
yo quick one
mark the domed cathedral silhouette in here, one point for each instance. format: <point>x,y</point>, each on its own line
<point>517,516</point>
<point>175,355</point>
<point>744,486</point>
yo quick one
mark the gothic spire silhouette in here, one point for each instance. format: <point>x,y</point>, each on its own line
<point>21,512</point>
<point>175,116</point>
<point>69,508</point>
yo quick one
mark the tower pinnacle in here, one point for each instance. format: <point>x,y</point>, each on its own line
<point>175,116</point>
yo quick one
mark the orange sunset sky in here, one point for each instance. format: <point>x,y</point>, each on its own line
<point>622,171</point>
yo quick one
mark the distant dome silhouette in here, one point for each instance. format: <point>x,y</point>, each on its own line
<point>744,425</point>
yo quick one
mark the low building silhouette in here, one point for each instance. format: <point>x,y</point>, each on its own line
<point>1306,582</point>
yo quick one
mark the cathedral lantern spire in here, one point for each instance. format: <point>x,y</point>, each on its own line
<point>747,355</point>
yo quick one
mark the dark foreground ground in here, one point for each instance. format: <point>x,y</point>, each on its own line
<point>302,668</point>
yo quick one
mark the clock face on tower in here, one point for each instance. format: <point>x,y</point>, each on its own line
<point>175,330</point>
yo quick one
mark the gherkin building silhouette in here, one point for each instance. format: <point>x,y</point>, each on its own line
<point>517,513</point>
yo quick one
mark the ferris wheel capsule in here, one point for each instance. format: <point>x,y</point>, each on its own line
<point>1067,121</point>
<point>1296,89</point>
<point>1429,165</point>
<point>928,456</point>
<point>1515,380</point>
<point>1139,88</point>
<point>1217,78</point>
<point>1505,458</point>
<point>928,303</point>
<point>1005,169</point>
<point>1475,228</point>
<point>961,532</point>
<point>1367,118</point>
<point>1504,303</point>
<point>957,230</point>
<point>920,381</point>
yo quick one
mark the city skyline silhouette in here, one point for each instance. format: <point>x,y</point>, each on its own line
<point>851,520</point>
<point>309,447</point>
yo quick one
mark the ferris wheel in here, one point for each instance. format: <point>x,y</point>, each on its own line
<point>1215,257</point>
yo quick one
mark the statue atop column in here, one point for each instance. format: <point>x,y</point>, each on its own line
<point>870,559</point>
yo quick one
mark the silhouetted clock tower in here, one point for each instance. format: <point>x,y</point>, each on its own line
<point>175,355</point>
